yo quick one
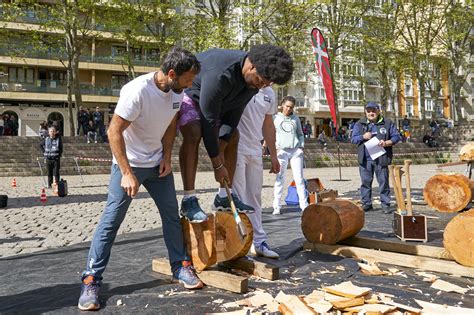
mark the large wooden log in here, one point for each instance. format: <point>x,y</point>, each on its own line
<point>458,238</point>
<point>467,152</point>
<point>216,240</point>
<point>331,221</point>
<point>448,192</point>
<point>228,243</point>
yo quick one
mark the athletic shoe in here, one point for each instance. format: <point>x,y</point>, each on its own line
<point>191,210</point>
<point>276,211</point>
<point>223,204</point>
<point>263,250</point>
<point>367,208</point>
<point>89,299</point>
<point>187,276</point>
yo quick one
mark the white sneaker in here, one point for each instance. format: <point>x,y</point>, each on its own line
<point>276,211</point>
<point>263,250</point>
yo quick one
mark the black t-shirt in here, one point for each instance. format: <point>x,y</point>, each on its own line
<point>221,92</point>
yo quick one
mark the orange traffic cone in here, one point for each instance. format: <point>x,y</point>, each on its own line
<point>43,195</point>
<point>14,182</point>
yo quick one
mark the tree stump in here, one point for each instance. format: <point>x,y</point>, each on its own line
<point>467,152</point>
<point>216,239</point>
<point>200,242</point>
<point>228,244</point>
<point>458,238</point>
<point>331,221</point>
<point>448,192</point>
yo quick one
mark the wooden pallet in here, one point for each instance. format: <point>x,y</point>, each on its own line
<point>223,280</point>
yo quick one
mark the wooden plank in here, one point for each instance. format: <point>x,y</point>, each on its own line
<point>254,267</point>
<point>292,305</point>
<point>418,262</point>
<point>347,289</point>
<point>213,278</point>
<point>397,247</point>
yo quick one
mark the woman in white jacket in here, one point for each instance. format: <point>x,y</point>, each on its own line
<point>290,145</point>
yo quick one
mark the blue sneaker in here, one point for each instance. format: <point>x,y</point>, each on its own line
<point>187,276</point>
<point>89,299</point>
<point>222,204</point>
<point>192,211</point>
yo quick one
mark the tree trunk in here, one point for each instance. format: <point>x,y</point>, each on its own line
<point>228,243</point>
<point>458,238</point>
<point>331,221</point>
<point>448,192</point>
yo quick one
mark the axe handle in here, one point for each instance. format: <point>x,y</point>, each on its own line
<point>399,188</point>
<point>240,225</point>
<point>394,185</point>
<point>408,186</point>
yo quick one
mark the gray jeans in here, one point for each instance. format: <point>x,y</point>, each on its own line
<point>163,192</point>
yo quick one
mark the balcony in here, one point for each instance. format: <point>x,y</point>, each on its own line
<point>55,87</point>
<point>51,55</point>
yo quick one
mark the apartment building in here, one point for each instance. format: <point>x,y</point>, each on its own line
<point>33,84</point>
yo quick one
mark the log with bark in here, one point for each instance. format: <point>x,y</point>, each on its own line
<point>331,221</point>
<point>458,238</point>
<point>216,240</point>
<point>448,192</point>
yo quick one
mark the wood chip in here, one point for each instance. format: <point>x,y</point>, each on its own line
<point>427,277</point>
<point>448,287</point>
<point>371,270</point>
<point>438,309</point>
<point>347,289</point>
<point>316,301</point>
<point>291,304</point>
<point>372,308</point>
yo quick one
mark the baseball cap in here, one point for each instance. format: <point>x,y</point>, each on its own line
<point>372,105</point>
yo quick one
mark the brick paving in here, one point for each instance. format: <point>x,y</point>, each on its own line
<point>28,226</point>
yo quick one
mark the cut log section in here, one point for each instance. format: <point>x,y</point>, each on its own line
<point>200,242</point>
<point>331,221</point>
<point>467,152</point>
<point>458,238</point>
<point>228,244</point>
<point>448,192</point>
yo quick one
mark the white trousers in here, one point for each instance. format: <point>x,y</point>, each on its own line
<point>295,156</point>
<point>248,182</point>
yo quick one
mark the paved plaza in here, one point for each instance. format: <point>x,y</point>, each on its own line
<point>28,226</point>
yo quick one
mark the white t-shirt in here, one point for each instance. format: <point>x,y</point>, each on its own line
<point>251,122</point>
<point>151,111</point>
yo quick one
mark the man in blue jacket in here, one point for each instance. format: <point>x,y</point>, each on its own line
<point>374,125</point>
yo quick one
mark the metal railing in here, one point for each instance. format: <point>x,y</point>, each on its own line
<point>56,87</point>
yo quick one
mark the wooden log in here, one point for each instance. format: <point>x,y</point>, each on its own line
<point>424,263</point>
<point>398,247</point>
<point>448,192</point>
<point>331,221</point>
<point>228,243</point>
<point>467,152</point>
<point>200,242</point>
<point>213,278</point>
<point>458,238</point>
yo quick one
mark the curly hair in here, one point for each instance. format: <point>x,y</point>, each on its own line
<point>272,62</point>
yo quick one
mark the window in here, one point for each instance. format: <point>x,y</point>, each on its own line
<point>118,81</point>
<point>408,89</point>
<point>20,74</point>
<point>429,105</point>
<point>409,108</point>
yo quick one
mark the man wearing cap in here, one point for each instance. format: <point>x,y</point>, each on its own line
<point>374,125</point>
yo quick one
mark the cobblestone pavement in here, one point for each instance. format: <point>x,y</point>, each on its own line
<point>28,226</point>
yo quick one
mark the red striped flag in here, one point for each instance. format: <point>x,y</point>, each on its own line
<point>322,65</point>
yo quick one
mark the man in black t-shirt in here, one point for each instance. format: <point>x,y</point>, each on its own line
<point>212,108</point>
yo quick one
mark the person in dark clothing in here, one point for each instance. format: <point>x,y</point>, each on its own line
<point>374,125</point>
<point>212,108</point>
<point>82,120</point>
<point>52,147</point>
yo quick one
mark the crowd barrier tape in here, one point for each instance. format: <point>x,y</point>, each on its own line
<point>92,159</point>
<point>398,154</point>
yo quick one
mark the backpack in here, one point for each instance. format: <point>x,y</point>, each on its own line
<point>292,198</point>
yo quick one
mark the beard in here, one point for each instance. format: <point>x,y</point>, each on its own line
<point>174,85</point>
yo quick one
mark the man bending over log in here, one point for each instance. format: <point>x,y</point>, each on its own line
<point>141,137</point>
<point>212,108</point>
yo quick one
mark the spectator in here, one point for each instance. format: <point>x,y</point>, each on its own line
<point>14,125</point>
<point>43,130</point>
<point>290,144</point>
<point>52,148</point>
<point>374,125</point>
<point>350,127</point>
<point>7,131</point>
<point>434,127</point>
<point>82,120</point>
<point>405,123</point>
<point>333,129</point>
<point>97,118</point>
<point>91,132</point>
<point>430,141</point>
<point>322,139</point>
<point>309,129</point>
<point>2,123</point>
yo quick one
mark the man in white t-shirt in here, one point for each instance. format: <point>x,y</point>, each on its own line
<point>141,137</point>
<point>256,123</point>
